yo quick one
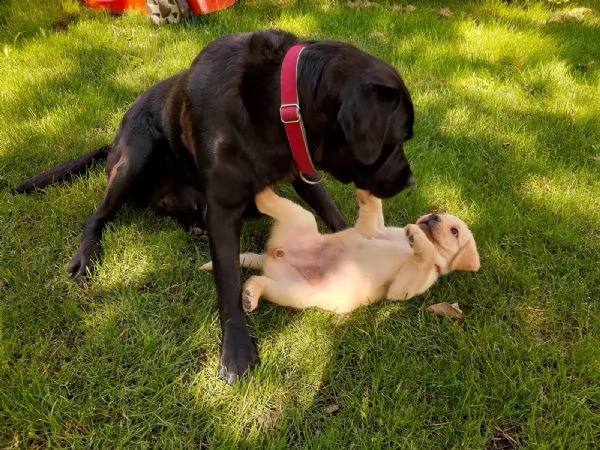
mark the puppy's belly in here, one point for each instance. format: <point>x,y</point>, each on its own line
<point>320,274</point>
<point>314,261</point>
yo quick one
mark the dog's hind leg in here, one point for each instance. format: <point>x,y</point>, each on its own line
<point>122,178</point>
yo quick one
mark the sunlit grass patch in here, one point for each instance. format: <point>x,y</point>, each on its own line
<point>503,44</point>
<point>303,25</point>
<point>566,196</point>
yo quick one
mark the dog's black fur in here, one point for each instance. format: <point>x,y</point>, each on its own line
<point>200,144</point>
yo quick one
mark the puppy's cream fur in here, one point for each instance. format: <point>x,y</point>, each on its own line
<point>358,266</point>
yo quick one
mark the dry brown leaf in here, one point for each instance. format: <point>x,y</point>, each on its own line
<point>444,12</point>
<point>270,418</point>
<point>332,409</point>
<point>444,309</point>
<point>404,9</point>
<point>572,15</point>
<point>360,4</point>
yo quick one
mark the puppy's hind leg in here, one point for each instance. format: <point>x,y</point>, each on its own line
<point>285,212</point>
<point>122,177</point>
<point>252,260</point>
<point>249,260</point>
<point>252,291</point>
<point>279,292</point>
<point>370,221</point>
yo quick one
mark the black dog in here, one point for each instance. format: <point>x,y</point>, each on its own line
<point>199,146</point>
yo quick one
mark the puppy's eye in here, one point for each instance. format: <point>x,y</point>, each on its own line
<point>454,231</point>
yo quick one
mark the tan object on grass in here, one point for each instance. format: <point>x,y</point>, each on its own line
<point>444,12</point>
<point>444,309</point>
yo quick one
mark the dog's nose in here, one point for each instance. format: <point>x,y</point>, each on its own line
<point>433,218</point>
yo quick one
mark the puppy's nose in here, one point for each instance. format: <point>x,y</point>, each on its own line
<point>433,218</point>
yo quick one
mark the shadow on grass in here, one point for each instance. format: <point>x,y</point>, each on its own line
<point>21,24</point>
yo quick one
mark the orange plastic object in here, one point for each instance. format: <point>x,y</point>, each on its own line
<point>208,6</point>
<point>117,6</point>
<point>196,6</point>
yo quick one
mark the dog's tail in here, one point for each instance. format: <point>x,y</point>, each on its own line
<point>63,171</point>
<point>249,260</point>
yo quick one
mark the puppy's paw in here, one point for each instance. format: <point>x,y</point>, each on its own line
<point>409,232</point>
<point>415,235</point>
<point>208,266</point>
<point>250,295</point>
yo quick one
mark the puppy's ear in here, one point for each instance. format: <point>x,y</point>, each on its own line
<point>364,116</point>
<point>467,258</point>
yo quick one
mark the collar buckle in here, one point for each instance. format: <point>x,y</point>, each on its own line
<point>290,113</point>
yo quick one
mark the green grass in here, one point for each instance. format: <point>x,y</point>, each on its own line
<point>507,136</point>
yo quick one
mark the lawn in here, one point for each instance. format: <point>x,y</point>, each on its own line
<point>507,136</point>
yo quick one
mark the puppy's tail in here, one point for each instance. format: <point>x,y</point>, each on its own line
<point>62,171</point>
<point>249,260</point>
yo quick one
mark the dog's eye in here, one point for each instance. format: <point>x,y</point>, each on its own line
<point>454,231</point>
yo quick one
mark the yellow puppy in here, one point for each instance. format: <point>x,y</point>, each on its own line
<point>341,271</point>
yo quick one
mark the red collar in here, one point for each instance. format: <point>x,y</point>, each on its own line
<point>438,269</point>
<point>290,112</point>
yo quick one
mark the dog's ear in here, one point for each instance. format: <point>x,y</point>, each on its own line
<point>467,258</point>
<point>364,116</point>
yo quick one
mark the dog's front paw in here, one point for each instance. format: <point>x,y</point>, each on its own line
<point>238,353</point>
<point>82,264</point>
<point>250,295</point>
<point>208,266</point>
